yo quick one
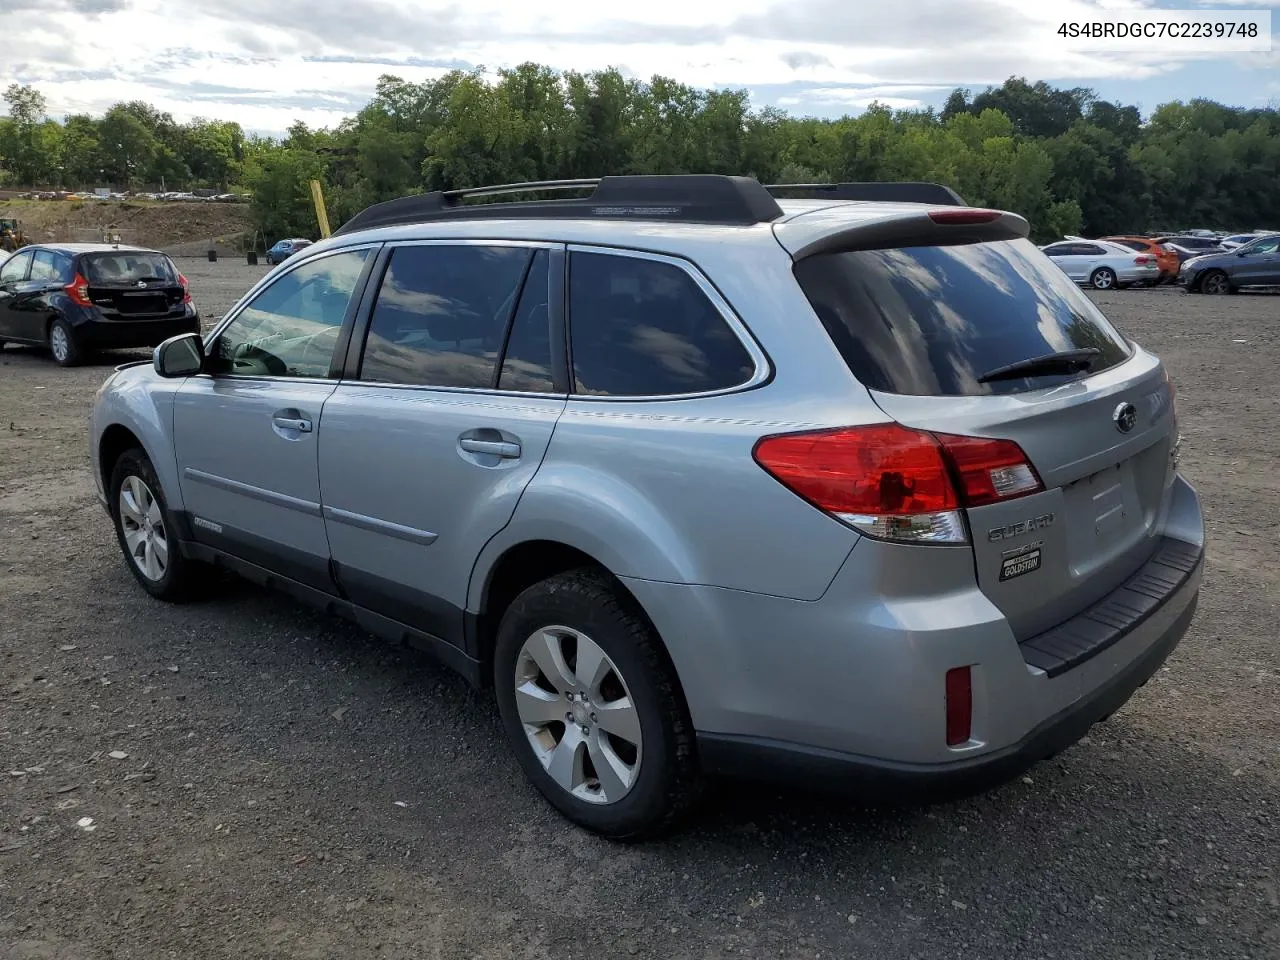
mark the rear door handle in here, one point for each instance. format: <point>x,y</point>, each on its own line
<point>292,423</point>
<point>497,448</point>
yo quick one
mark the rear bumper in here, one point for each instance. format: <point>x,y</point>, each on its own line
<point>890,781</point>
<point>124,334</point>
<point>851,688</point>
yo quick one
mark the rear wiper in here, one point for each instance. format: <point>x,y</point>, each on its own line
<point>1068,361</point>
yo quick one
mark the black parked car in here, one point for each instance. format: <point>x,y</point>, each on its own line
<point>78,297</point>
<point>1254,264</point>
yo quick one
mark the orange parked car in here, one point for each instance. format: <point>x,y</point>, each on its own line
<point>1166,259</point>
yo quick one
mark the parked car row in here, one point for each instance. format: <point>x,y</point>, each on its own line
<point>1201,264</point>
<point>183,197</point>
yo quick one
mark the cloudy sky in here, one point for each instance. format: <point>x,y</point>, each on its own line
<point>266,64</point>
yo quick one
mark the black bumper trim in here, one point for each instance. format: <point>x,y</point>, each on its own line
<point>886,781</point>
<point>1087,634</point>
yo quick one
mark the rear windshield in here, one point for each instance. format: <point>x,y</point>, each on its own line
<point>929,321</point>
<point>128,267</point>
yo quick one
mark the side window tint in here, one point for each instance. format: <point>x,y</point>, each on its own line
<point>526,363</point>
<point>45,265</point>
<point>441,314</point>
<point>291,328</point>
<point>1090,250</point>
<point>641,327</point>
<point>15,268</point>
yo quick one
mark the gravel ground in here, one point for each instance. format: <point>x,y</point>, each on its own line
<point>267,782</point>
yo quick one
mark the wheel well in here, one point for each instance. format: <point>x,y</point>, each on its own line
<point>115,441</point>
<point>520,568</point>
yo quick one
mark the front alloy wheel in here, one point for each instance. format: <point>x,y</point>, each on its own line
<point>1216,283</point>
<point>145,529</point>
<point>142,523</point>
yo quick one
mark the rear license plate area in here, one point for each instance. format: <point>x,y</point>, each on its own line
<point>1021,561</point>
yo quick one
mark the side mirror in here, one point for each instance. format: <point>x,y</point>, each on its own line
<point>180,356</point>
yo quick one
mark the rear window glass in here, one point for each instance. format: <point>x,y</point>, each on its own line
<point>929,321</point>
<point>128,267</point>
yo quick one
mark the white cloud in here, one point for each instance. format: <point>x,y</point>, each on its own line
<point>255,62</point>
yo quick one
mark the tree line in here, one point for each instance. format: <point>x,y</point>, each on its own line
<point>1064,158</point>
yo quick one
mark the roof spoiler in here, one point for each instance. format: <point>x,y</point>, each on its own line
<point>925,228</point>
<point>888,192</point>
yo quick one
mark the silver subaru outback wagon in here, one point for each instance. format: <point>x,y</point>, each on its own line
<point>844,484</point>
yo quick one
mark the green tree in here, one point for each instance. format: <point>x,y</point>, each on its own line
<point>21,141</point>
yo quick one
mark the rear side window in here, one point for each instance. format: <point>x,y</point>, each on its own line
<point>127,266</point>
<point>929,321</point>
<point>442,314</point>
<point>48,265</point>
<point>641,327</point>
<point>1133,244</point>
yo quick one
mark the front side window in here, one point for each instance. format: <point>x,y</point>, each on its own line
<point>291,328</point>
<point>15,268</point>
<point>641,327</point>
<point>442,314</point>
<point>1268,245</point>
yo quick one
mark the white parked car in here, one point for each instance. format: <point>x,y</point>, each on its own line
<point>1102,264</point>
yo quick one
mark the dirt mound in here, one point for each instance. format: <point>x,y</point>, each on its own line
<point>146,223</point>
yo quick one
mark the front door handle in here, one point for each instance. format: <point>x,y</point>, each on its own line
<point>300,424</point>
<point>497,448</point>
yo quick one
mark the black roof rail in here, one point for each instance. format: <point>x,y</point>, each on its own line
<point>890,192</point>
<point>692,198</point>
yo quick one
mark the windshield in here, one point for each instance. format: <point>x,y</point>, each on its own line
<point>128,266</point>
<point>929,321</point>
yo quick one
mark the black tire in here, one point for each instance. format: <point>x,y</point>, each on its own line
<point>1104,278</point>
<point>180,577</point>
<point>668,784</point>
<point>1215,283</point>
<point>63,345</point>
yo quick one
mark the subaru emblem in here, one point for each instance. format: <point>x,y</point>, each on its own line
<point>1125,417</point>
<point>142,283</point>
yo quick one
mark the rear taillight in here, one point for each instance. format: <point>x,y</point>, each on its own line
<point>959,687</point>
<point>897,483</point>
<point>186,288</point>
<point>78,291</point>
<point>1142,261</point>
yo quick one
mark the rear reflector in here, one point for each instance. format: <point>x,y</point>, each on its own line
<point>897,483</point>
<point>959,706</point>
<point>961,217</point>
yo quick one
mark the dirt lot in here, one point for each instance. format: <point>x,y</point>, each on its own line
<point>147,223</point>
<point>266,782</point>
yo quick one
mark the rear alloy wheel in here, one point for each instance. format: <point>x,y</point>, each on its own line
<point>1215,282</point>
<point>1104,278</point>
<point>62,344</point>
<point>592,707</point>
